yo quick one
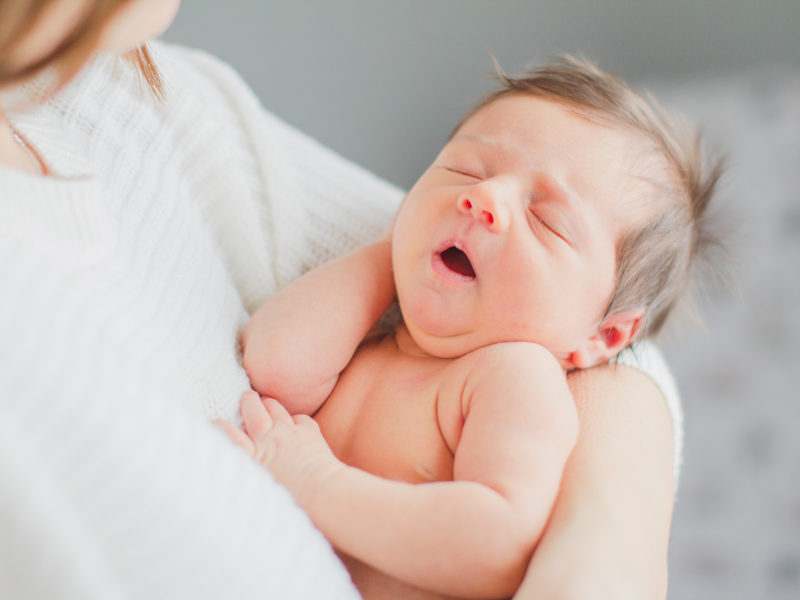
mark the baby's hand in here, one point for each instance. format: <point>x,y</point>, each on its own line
<point>291,447</point>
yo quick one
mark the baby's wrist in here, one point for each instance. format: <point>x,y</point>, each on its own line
<point>314,484</point>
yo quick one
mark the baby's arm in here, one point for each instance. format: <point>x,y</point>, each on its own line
<point>300,339</point>
<point>470,536</point>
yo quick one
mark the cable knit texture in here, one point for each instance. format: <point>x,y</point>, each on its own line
<point>126,280</point>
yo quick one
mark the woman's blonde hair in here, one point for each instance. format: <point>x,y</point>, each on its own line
<point>655,260</point>
<point>19,17</point>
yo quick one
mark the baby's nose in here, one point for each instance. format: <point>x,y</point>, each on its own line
<point>485,209</point>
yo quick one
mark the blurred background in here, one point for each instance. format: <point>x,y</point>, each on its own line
<point>384,81</point>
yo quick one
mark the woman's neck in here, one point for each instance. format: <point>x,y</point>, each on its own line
<point>16,152</point>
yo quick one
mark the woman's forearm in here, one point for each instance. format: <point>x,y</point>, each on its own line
<point>608,533</point>
<point>298,342</point>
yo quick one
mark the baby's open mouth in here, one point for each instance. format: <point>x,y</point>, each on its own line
<point>455,260</point>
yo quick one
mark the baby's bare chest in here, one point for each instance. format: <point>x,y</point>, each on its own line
<point>395,415</point>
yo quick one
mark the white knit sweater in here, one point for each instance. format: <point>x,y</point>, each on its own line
<point>125,283</point>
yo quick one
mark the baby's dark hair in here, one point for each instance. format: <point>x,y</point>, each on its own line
<point>654,260</point>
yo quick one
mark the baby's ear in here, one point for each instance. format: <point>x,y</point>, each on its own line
<point>613,334</point>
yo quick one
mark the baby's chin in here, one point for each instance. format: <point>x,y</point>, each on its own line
<point>439,332</point>
<point>423,342</point>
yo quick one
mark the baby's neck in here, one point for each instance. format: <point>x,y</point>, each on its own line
<point>405,343</point>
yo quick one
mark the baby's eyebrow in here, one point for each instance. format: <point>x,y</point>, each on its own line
<point>483,139</point>
<point>504,146</point>
<point>551,187</point>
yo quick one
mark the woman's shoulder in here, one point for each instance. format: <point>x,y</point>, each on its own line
<point>645,356</point>
<point>108,92</point>
<point>202,74</point>
<point>196,61</point>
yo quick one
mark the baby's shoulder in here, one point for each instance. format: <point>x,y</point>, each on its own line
<point>509,368</point>
<point>517,386</point>
<point>524,358</point>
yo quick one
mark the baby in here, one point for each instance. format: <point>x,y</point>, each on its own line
<point>557,225</point>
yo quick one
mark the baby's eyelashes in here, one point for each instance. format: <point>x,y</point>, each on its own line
<point>547,224</point>
<point>462,171</point>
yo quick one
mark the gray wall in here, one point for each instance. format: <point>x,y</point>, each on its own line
<point>383,81</point>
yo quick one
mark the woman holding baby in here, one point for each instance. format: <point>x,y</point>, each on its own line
<point>143,217</point>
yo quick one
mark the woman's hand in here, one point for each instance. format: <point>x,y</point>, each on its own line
<point>291,447</point>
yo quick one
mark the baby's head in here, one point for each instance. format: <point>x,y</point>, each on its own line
<point>565,210</point>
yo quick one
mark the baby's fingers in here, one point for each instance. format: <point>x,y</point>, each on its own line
<point>277,411</point>
<point>257,421</point>
<point>237,436</point>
